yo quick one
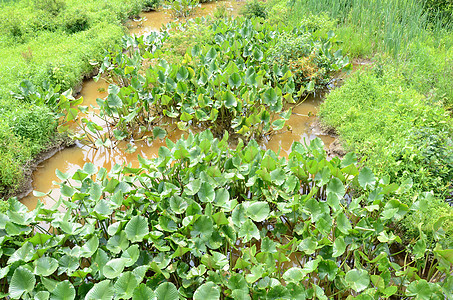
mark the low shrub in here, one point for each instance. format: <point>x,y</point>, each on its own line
<point>74,20</point>
<point>254,8</point>
<point>149,5</point>
<point>52,6</point>
<point>36,124</point>
<point>203,221</point>
<point>309,55</point>
<point>439,9</point>
<point>182,8</point>
<point>14,153</point>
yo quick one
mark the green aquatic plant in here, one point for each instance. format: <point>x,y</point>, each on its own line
<point>204,221</point>
<point>231,83</point>
<point>182,8</point>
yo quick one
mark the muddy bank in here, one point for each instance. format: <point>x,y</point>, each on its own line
<point>26,186</point>
<point>335,148</point>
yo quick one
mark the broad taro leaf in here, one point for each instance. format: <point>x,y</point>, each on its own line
<point>101,291</point>
<point>22,281</point>
<point>45,266</point>
<point>63,291</point>
<point>125,285</point>
<point>258,211</point>
<point>143,292</point>
<point>358,280</point>
<point>207,291</point>
<point>137,228</point>
<point>167,291</point>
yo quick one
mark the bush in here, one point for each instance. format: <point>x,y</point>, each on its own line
<point>254,8</point>
<point>440,9</point>
<point>52,6</point>
<point>74,20</point>
<point>37,124</point>
<point>149,5</point>
<point>309,55</point>
<point>14,153</point>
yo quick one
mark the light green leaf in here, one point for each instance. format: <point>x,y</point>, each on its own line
<point>23,281</point>
<point>137,228</point>
<point>258,211</point>
<point>366,178</point>
<point>293,275</point>
<point>125,285</point>
<point>358,280</point>
<point>143,292</point>
<point>207,291</point>
<point>45,266</point>
<point>248,231</point>
<point>63,291</point>
<point>100,291</point>
<point>114,267</point>
<point>167,291</point>
<point>339,246</point>
<point>336,187</point>
<point>343,223</point>
<point>206,192</point>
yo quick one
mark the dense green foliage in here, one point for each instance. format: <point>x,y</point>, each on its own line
<point>202,221</point>
<point>397,131</point>
<point>401,31</point>
<point>48,43</point>
<point>255,8</point>
<point>390,113</point>
<point>239,80</point>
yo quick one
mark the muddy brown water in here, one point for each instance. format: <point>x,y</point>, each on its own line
<point>72,159</point>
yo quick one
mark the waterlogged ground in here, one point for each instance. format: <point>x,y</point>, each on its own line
<point>71,159</point>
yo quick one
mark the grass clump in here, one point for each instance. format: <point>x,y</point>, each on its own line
<point>398,133</point>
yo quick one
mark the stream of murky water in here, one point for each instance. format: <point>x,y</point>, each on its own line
<point>71,159</point>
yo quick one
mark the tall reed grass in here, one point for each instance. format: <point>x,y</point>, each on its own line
<point>386,25</point>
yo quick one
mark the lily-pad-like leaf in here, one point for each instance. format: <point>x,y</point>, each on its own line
<point>167,291</point>
<point>23,281</point>
<point>336,187</point>
<point>125,285</point>
<point>207,291</point>
<point>248,231</point>
<point>366,178</point>
<point>293,275</point>
<point>63,291</point>
<point>206,192</point>
<point>358,280</point>
<point>101,291</point>
<point>143,292</point>
<point>137,228</point>
<point>114,267</point>
<point>44,266</point>
<point>258,211</point>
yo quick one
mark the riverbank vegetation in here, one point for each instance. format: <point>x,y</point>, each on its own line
<point>396,112</point>
<point>47,45</point>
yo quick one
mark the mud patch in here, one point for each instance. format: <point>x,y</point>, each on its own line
<point>26,186</point>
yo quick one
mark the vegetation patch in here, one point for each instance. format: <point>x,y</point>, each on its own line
<point>398,133</point>
<point>46,48</point>
<point>203,221</point>
<point>237,82</point>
